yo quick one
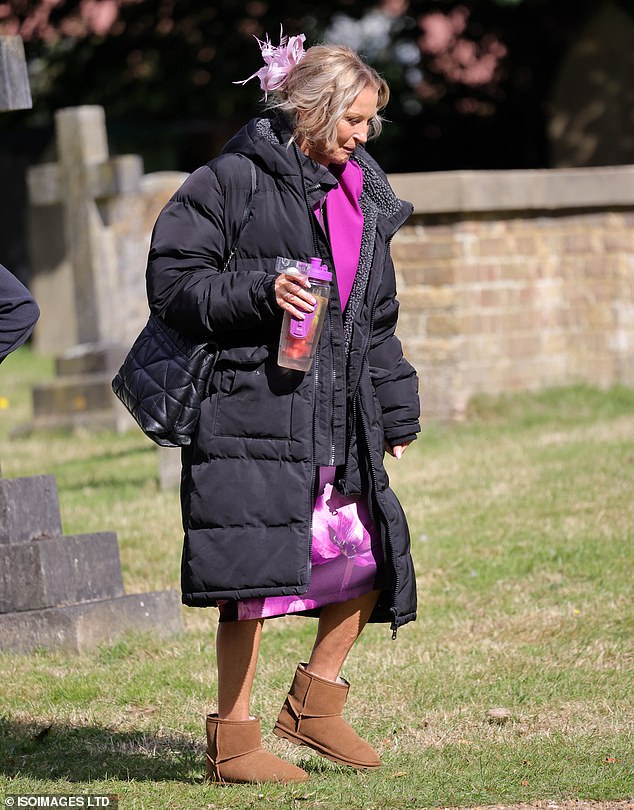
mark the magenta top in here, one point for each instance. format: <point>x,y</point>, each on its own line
<point>345,225</point>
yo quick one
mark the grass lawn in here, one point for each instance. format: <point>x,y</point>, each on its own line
<point>522,522</point>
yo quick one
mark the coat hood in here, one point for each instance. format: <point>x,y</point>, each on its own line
<point>267,142</point>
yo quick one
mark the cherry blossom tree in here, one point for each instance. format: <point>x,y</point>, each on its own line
<point>470,78</point>
<point>49,20</point>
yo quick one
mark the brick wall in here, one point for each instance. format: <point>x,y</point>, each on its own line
<point>516,280</point>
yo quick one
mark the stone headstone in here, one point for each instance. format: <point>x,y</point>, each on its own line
<point>83,177</point>
<point>28,509</point>
<point>65,590</point>
<point>81,393</point>
<point>59,571</point>
<point>169,462</point>
<point>15,93</point>
<point>91,220</point>
<point>80,627</point>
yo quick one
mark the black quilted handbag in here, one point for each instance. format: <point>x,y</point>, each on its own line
<point>166,375</point>
<point>163,380</point>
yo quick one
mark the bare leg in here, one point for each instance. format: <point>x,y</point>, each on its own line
<point>339,627</point>
<point>237,648</point>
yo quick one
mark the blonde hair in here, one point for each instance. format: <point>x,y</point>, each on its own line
<point>320,89</point>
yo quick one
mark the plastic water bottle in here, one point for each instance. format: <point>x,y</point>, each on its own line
<point>299,338</point>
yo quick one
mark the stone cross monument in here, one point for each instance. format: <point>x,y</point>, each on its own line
<point>82,181</point>
<point>91,219</point>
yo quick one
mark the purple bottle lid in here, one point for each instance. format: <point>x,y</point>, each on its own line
<point>319,271</point>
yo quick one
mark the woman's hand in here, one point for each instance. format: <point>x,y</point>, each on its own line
<point>291,294</point>
<point>398,449</point>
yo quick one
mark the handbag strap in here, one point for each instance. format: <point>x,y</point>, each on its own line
<point>245,214</point>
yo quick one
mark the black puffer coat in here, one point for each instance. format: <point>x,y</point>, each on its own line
<point>18,313</point>
<point>249,476</point>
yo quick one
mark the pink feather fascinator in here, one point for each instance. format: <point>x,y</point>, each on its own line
<point>278,61</point>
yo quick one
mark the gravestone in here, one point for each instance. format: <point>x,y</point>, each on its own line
<point>91,218</point>
<point>80,395</point>
<point>66,591</point>
<point>169,467</point>
<point>83,178</point>
<point>15,93</point>
<point>63,590</point>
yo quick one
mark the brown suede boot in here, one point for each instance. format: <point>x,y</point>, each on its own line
<point>235,754</point>
<point>311,716</point>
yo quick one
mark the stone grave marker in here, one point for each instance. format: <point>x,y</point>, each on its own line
<point>61,590</point>
<point>169,467</point>
<point>91,219</point>
<point>15,93</point>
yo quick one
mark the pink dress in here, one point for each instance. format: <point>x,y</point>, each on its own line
<point>345,551</point>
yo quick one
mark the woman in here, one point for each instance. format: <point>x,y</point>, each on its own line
<point>286,505</point>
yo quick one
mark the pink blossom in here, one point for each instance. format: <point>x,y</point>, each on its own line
<point>457,58</point>
<point>99,15</point>
<point>438,33</point>
<point>90,16</point>
<point>465,52</point>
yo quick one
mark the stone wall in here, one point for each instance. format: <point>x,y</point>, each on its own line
<point>516,280</point>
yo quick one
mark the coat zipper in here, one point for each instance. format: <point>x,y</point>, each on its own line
<point>393,626</point>
<point>313,468</point>
<point>365,352</point>
<point>334,384</point>
<point>357,405</point>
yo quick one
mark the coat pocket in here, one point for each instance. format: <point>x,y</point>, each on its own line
<point>256,401</point>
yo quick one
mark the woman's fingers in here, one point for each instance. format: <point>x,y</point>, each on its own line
<point>396,450</point>
<point>292,296</point>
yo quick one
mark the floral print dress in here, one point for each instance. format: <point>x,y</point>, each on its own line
<point>345,552</point>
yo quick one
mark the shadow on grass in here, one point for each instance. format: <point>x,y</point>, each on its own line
<point>93,753</point>
<point>87,753</point>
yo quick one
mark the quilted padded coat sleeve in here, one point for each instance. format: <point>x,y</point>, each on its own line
<point>185,282</point>
<point>394,379</point>
<point>18,313</point>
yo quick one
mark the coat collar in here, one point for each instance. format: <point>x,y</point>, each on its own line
<point>379,192</point>
<point>268,141</point>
